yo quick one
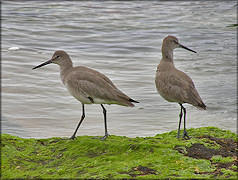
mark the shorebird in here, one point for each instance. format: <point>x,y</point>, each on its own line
<point>88,86</point>
<point>174,85</point>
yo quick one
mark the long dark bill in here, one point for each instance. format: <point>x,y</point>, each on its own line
<point>187,48</point>
<point>43,64</point>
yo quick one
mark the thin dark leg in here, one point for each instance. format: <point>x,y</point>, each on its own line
<point>185,134</point>
<point>180,119</point>
<point>105,123</point>
<point>82,118</point>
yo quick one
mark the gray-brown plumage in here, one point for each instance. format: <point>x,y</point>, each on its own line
<point>174,85</point>
<point>88,86</point>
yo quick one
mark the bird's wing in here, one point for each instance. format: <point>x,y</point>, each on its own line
<point>179,87</point>
<point>93,84</point>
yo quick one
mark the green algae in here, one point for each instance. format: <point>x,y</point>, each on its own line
<point>220,159</point>
<point>115,158</point>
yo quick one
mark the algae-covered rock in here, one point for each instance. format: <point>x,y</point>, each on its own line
<point>209,153</point>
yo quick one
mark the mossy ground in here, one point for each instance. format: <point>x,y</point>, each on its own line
<point>209,153</point>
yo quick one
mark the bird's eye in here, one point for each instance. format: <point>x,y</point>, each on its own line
<point>57,57</point>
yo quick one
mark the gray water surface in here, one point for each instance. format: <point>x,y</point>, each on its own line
<point>121,39</point>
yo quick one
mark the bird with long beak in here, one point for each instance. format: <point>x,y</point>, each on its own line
<point>174,85</point>
<point>88,86</point>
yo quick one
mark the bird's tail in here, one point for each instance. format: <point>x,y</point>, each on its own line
<point>128,102</point>
<point>202,106</point>
<point>132,100</point>
<point>196,100</point>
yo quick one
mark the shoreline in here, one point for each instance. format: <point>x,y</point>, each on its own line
<point>209,153</point>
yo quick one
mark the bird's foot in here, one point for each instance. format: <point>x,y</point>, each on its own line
<point>185,135</point>
<point>71,138</point>
<point>102,138</point>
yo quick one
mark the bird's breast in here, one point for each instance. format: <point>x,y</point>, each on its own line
<point>78,94</point>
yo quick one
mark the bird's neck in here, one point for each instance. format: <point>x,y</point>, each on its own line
<point>167,54</point>
<point>166,62</point>
<point>64,68</point>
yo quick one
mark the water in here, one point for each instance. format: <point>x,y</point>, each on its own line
<point>121,39</point>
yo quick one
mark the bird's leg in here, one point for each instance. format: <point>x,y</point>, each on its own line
<point>185,134</point>
<point>105,123</point>
<point>180,119</point>
<point>82,118</point>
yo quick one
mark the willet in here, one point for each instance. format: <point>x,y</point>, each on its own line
<point>174,85</point>
<point>88,86</point>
